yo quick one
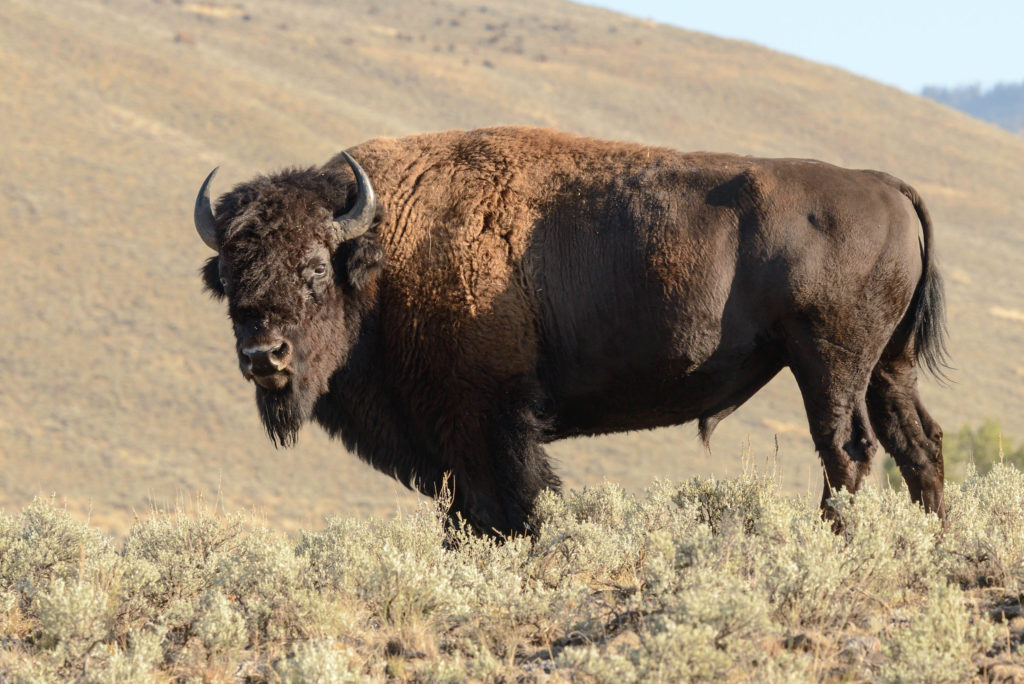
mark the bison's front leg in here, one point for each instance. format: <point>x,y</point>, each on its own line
<point>498,476</point>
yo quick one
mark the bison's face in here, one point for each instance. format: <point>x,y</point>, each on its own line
<point>296,260</point>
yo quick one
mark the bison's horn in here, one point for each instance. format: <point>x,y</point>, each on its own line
<point>359,218</point>
<point>205,225</point>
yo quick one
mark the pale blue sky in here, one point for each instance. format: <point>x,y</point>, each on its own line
<point>905,44</point>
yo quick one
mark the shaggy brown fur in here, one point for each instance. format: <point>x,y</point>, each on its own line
<point>522,285</point>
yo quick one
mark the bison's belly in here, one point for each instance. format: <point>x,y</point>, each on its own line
<point>667,393</point>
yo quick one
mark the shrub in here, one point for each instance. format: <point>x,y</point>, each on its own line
<point>708,580</point>
<point>320,661</point>
<point>938,643</point>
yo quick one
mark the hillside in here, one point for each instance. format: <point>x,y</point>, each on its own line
<point>121,390</point>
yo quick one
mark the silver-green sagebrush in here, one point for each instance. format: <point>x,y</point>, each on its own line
<point>708,580</point>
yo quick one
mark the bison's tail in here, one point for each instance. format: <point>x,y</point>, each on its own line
<point>928,307</point>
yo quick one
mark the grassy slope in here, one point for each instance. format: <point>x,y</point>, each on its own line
<point>120,387</point>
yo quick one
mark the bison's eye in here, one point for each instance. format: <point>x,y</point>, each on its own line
<point>314,274</point>
<point>224,282</point>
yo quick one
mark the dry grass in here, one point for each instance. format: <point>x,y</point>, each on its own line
<point>118,384</point>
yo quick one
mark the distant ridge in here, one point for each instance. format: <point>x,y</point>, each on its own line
<point>1002,104</point>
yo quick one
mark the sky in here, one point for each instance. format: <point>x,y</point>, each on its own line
<point>904,44</point>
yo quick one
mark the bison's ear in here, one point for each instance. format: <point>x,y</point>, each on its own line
<point>362,259</point>
<point>358,261</point>
<point>211,278</point>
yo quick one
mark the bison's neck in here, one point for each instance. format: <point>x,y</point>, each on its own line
<point>359,408</point>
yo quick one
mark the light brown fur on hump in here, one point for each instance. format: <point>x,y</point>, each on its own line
<point>481,190</point>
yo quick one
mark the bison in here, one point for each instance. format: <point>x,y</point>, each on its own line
<point>451,302</point>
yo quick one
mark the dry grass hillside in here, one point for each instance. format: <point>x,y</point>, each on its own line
<point>119,386</point>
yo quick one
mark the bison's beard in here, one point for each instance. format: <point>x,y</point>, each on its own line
<point>283,412</point>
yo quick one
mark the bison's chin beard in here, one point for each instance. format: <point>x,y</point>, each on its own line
<point>284,411</point>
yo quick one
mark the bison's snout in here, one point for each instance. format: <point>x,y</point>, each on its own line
<point>267,364</point>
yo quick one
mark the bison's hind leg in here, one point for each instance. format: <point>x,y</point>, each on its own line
<point>907,432</point>
<point>833,381</point>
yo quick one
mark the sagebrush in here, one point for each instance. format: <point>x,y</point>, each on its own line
<point>702,581</point>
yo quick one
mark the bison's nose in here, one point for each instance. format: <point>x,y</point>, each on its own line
<point>269,358</point>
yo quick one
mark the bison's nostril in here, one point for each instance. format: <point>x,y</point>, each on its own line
<point>281,354</point>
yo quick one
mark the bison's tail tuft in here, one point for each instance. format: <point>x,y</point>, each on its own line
<point>928,306</point>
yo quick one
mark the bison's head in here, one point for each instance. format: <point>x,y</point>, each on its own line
<point>297,258</point>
